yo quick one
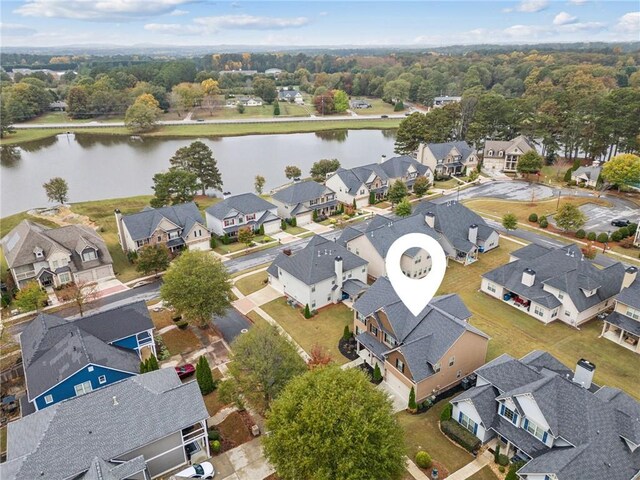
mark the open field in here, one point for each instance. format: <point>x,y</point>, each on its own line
<point>325,329</point>
<point>378,107</point>
<point>516,333</point>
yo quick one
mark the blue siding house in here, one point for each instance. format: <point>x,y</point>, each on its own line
<point>64,359</point>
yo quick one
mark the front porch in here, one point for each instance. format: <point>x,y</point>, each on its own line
<point>466,258</point>
<point>617,333</point>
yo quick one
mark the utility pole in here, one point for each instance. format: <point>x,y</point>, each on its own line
<point>558,204</point>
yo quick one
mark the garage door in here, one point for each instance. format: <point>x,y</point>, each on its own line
<point>272,227</point>
<point>304,218</point>
<point>397,386</point>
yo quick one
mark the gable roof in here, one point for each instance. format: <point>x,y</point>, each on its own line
<point>141,225</point>
<point>19,244</point>
<point>631,294</point>
<point>564,268</point>
<point>316,261</point>
<point>452,220</point>
<point>520,142</point>
<point>425,338</point>
<point>63,439</point>
<point>244,203</point>
<point>592,172</point>
<point>441,150</point>
<point>286,94</point>
<point>300,192</point>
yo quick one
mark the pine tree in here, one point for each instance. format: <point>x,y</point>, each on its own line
<point>152,363</point>
<point>204,376</point>
<point>412,399</point>
<point>496,454</point>
<point>143,367</point>
<point>377,374</point>
<point>307,311</point>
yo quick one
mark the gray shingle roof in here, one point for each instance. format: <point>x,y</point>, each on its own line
<point>564,268</point>
<point>244,203</point>
<point>441,150</point>
<point>453,219</point>
<point>484,401</point>
<point>141,225</point>
<point>316,261</point>
<point>62,440</point>
<point>626,323</point>
<point>631,295</point>
<point>300,192</point>
<point>425,338</point>
<point>353,287</point>
<point>102,470</point>
<point>19,244</point>
<point>287,94</point>
<point>592,173</point>
<point>522,142</point>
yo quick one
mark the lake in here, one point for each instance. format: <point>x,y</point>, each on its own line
<point>101,167</point>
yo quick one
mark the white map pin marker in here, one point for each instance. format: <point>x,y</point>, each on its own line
<point>416,293</point>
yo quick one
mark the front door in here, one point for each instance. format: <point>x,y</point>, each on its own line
<point>46,280</point>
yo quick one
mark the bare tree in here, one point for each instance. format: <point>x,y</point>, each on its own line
<point>81,293</point>
<point>561,164</point>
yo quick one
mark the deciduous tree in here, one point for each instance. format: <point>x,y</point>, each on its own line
<point>258,184</point>
<point>291,172</point>
<point>30,297</point>
<point>321,168</point>
<point>80,292</point>
<point>403,209</point>
<point>509,221</point>
<point>245,235</point>
<point>265,88</point>
<point>57,190</point>
<point>622,170</point>
<point>340,101</point>
<point>530,162</point>
<point>143,114</point>
<point>153,258</point>
<point>569,217</point>
<point>421,186</point>
<point>397,192</point>
<point>173,187</point>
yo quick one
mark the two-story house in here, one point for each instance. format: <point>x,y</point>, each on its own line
<point>554,284</point>
<point>320,274</point>
<point>557,421</point>
<point>64,359</point>
<point>441,101</point>
<point>56,256</point>
<point>430,352</point>
<point>373,244</point>
<point>178,226</point>
<point>300,199</point>
<point>359,183</point>
<point>503,156</point>
<point>464,233</point>
<point>623,324</point>
<point>289,95</point>
<point>139,428</point>
<point>239,211</point>
<point>446,159</point>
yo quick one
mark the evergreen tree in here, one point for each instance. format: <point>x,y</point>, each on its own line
<point>198,159</point>
<point>412,399</point>
<point>377,374</point>
<point>307,311</point>
<point>204,376</point>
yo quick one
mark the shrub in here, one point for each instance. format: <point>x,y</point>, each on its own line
<point>496,454</point>
<point>132,256</point>
<point>294,222</point>
<point>213,243</point>
<point>544,223</point>
<point>567,175</point>
<point>377,374</point>
<point>580,233</point>
<point>307,311</point>
<point>624,232</point>
<point>458,434</point>
<point>512,475</point>
<point>503,460</point>
<point>533,217</point>
<point>501,469</point>
<point>423,460</point>
<point>315,215</point>
<point>591,236</point>
<point>225,239</point>
<point>283,225</point>
<point>204,376</point>
<point>182,324</point>
<point>412,400</point>
<point>626,242</point>
<point>446,413</point>
<point>215,446</point>
<point>542,218</point>
<point>632,227</point>
<point>616,236</point>
<point>213,435</point>
<point>346,334</point>
<point>602,237</point>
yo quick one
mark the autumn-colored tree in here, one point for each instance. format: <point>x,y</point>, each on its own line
<point>319,356</point>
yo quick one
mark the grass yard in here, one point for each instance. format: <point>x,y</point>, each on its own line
<point>213,403</point>
<point>522,210</point>
<point>516,333</point>
<point>378,107</point>
<point>163,318</point>
<point>295,230</point>
<point>256,318</point>
<point>485,473</point>
<point>180,341</point>
<point>446,184</point>
<point>252,283</point>
<point>325,329</point>
<point>421,432</point>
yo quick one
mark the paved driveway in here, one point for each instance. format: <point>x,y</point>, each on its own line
<point>231,324</point>
<point>245,462</point>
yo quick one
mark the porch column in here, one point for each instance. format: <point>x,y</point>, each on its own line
<point>206,437</point>
<point>621,335</point>
<point>604,329</point>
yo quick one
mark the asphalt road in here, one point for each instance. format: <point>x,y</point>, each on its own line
<point>231,325</point>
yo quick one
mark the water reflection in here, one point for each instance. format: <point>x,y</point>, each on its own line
<point>9,156</point>
<point>333,135</point>
<point>41,144</point>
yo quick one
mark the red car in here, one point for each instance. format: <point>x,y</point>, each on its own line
<point>185,370</point>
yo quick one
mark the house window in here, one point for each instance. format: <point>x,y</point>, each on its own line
<point>90,368</point>
<point>389,339</point>
<point>458,373</point>
<point>490,153</point>
<point>159,238</point>
<point>48,399</point>
<point>554,314</point>
<point>538,311</point>
<point>64,277</point>
<point>400,365</point>
<point>139,243</point>
<point>363,269</point>
<point>560,295</point>
<point>102,379</point>
<point>313,289</point>
<point>358,331</point>
<point>251,216</point>
<point>535,430</point>
<point>229,221</point>
<point>89,255</point>
<point>633,313</point>
<point>83,388</point>
<point>567,313</point>
<point>373,330</point>
<point>467,423</point>
<point>452,360</point>
<point>491,287</point>
<point>328,298</point>
<point>361,317</point>
<point>500,153</point>
<point>313,304</point>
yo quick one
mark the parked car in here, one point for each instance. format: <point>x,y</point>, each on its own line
<point>198,470</point>
<point>185,370</point>
<point>620,222</point>
<point>384,116</point>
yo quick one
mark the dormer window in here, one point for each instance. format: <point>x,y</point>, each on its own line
<point>490,153</point>
<point>501,153</point>
<point>89,255</point>
<point>39,253</point>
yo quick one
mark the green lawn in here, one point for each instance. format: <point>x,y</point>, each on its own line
<point>446,184</point>
<point>180,341</point>
<point>485,473</point>
<point>421,432</point>
<point>517,334</point>
<point>325,329</point>
<point>252,283</point>
<point>295,230</point>
<point>62,117</point>
<point>378,107</point>
<point>256,318</point>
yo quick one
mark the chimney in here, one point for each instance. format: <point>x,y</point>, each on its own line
<point>584,373</point>
<point>473,234</point>
<point>337,265</point>
<point>528,277</point>
<point>119,226</point>
<point>630,275</point>
<point>383,158</point>
<point>430,219</point>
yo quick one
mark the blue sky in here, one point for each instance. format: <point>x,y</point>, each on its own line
<point>307,23</point>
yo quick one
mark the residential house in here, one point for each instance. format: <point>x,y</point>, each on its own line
<point>248,101</point>
<point>466,233</point>
<point>64,359</point>
<point>557,421</point>
<point>56,256</point>
<point>246,73</point>
<point>292,96</point>
<point>178,226</point>
<point>587,176</point>
<point>300,199</point>
<point>503,156</point>
<point>554,284</point>
<point>439,102</point>
<point>623,324</point>
<point>359,183</point>
<point>272,72</point>
<point>431,352</point>
<point>58,106</point>
<point>360,104</point>
<point>446,159</point>
<point>245,210</point>
<point>373,244</point>
<point>320,274</point>
<point>139,428</point>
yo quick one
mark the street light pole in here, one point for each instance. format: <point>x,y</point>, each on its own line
<point>558,204</point>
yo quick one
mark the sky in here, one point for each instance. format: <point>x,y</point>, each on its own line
<point>314,23</point>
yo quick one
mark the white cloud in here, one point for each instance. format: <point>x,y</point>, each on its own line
<point>235,5</point>
<point>629,23</point>
<point>525,31</point>
<point>179,13</point>
<point>16,30</point>
<point>563,18</point>
<point>529,6</point>
<point>174,29</point>
<point>578,2</point>
<point>98,10</point>
<point>580,27</point>
<point>211,25</point>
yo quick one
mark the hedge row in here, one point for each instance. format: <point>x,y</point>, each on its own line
<point>458,434</point>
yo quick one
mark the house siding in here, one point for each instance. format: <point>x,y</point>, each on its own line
<point>162,455</point>
<point>66,390</point>
<point>470,411</point>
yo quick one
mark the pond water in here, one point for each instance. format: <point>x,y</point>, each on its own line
<point>101,167</point>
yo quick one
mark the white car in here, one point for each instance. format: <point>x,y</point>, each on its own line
<point>198,470</point>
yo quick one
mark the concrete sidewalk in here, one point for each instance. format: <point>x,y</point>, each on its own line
<point>245,462</point>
